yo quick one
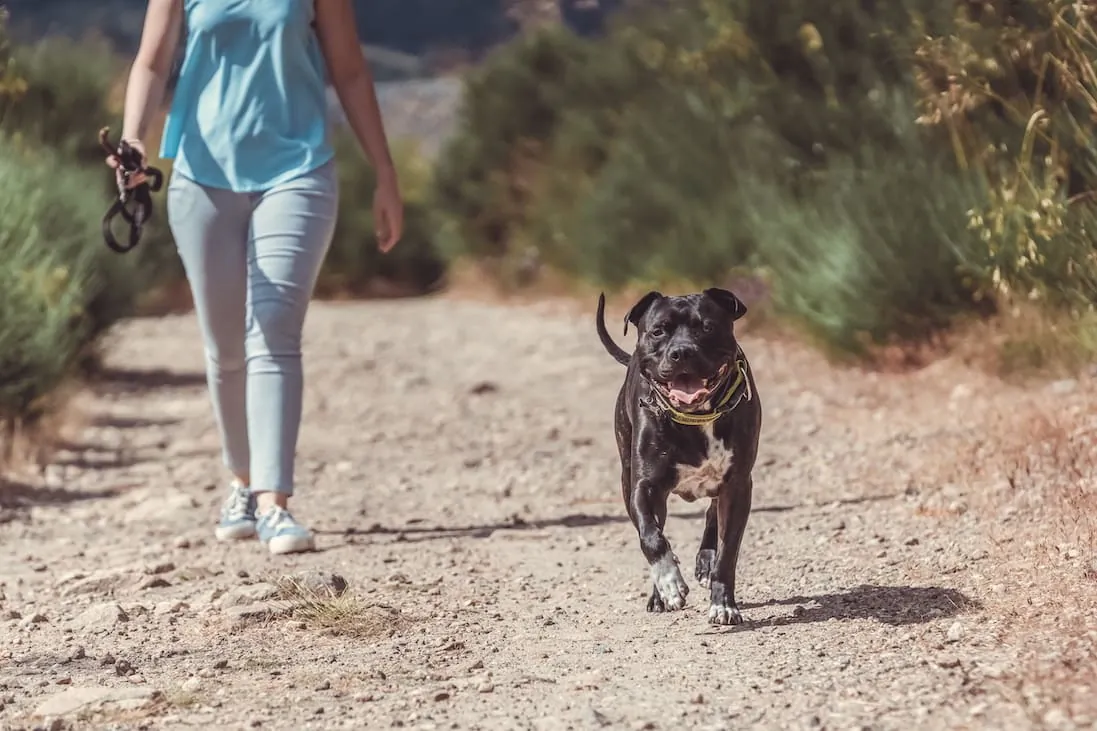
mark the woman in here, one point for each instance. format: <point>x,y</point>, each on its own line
<point>252,204</point>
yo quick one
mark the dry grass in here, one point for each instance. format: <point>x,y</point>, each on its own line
<point>340,614</point>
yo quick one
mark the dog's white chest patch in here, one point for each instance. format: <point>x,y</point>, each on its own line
<point>704,480</point>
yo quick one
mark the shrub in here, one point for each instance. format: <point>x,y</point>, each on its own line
<point>354,266</point>
<point>60,288</point>
<point>712,135</point>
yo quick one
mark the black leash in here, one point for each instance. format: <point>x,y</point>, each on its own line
<point>130,163</point>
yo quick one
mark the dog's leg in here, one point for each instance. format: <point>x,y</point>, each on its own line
<point>706,554</point>
<point>649,515</point>
<point>733,509</point>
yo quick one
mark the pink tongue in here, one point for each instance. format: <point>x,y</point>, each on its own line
<point>688,390</point>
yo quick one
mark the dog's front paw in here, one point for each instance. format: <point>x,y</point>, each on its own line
<point>724,614</point>
<point>706,564</point>
<point>670,586</point>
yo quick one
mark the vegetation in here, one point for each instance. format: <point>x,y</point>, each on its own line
<point>887,167</point>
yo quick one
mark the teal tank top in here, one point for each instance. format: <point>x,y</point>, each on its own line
<point>250,106</point>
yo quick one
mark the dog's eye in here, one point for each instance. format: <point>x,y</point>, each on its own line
<point>708,326</point>
<point>657,332</point>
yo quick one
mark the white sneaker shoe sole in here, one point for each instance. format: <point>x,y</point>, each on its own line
<point>280,545</point>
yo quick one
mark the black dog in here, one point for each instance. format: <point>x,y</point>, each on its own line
<point>687,421</point>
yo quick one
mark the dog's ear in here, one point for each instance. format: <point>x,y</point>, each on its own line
<point>637,312</point>
<point>728,301</point>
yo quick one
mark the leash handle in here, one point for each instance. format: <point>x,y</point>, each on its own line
<point>130,162</point>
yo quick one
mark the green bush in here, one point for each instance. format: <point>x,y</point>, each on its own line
<point>60,288</point>
<point>354,266</point>
<point>719,135</point>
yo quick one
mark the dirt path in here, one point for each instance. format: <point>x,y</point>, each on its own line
<point>458,464</point>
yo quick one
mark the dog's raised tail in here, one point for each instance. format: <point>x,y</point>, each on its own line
<point>611,347</point>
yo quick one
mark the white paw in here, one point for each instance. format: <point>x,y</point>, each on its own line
<point>724,615</point>
<point>669,583</point>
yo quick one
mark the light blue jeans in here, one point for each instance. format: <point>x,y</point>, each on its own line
<point>252,260</point>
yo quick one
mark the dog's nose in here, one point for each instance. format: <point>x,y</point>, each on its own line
<point>680,352</point>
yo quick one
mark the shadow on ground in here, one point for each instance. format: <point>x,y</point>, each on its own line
<point>413,532</point>
<point>893,605</point>
<point>132,380</point>
<point>18,497</point>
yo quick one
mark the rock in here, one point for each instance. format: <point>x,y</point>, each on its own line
<point>1063,387</point>
<point>442,695</point>
<point>955,632</point>
<point>101,617</point>
<point>191,685</point>
<point>33,618</point>
<point>78,653</point>
<point>107,659</point>
<point>247,594</point>
<point>124,669</point>
<point>10,615</point>
<point>153,582</point>
<point>320,582</point>
<point>81,698</point>
<point>485,688</point>
<point>181,543</point>
<point>100,582</point>
<point>165,567</point>
<point>163,608</point>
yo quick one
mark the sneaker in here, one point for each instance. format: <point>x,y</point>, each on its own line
<point>237,515</point>
<point>283,534</point>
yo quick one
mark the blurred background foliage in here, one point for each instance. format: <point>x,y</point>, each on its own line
<point>887,169</point>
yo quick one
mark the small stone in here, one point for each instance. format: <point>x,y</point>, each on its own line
<point>799,611</point>
<point>10,615</point>
<point>1063,387</point>
<point>220,664</point>
<point>485,688</point>
<point>160,568</point>
<point>697,699</point>
<point>478,665</point>
<point>955,632</point>
<point>64,680</point>
<point>321,583</point>
<point>75,699</point>
<point>163,608</point>
<point>55,724</point>
<point>181,542</point>
<point>33,618</point>
<point>101,617</point>
<point>948,662</point>
<point>442,695</point>
<point>107,659</point>
<point>123,668</point>
<point>78,653</point>
<point>153,582</point>
<point>191,685</point>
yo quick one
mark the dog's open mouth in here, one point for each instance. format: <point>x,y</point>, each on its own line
<point>690,390</point>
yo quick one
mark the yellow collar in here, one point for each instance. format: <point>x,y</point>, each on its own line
<point>737,389</point>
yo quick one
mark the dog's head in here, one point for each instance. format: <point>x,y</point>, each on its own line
<point>686,345</point>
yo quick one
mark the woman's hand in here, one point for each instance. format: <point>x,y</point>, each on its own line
<point>135,179</point>
<point>388,210</point>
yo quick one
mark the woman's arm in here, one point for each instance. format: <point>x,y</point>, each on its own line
<point>353,81</point>
<point>149,73</point>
